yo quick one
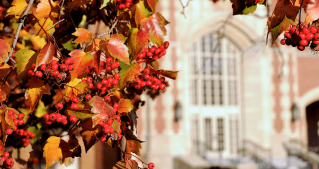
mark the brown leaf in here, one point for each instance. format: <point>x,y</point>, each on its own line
<point>90,137</point>
<point>167,73</point>
<point>133,147</point>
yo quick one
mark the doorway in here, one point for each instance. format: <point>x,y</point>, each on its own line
<point>312,117</point>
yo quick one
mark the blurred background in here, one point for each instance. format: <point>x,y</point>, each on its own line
<point>237,102</point>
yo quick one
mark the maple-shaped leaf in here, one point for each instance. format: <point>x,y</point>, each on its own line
<point>80,114</point>
<point>118,49</point>
<point>83,35</point>
<point>33,95</point>
<point>75,87</point>
<point>4,91</point>
<point>52,151</point>
<point>125,105</point>
<point>312,9</point>
<point>154,25</point>
<point>128,164</point>
<point>137,41</point>
<point>133,147</point>
<point>22,59</point>
<point>45,23</point>
<point>82,60</point>
<point>47,7</point>
<point>4,49</point>
<point>152,4</point>
<point>140,12</point>
<point>46,54</point>
<point>128,73</point>
<point>90,137</point>
<point>103,110</point>
<point>18,6</point>
<point>283,15</point>
<point>167,73</point>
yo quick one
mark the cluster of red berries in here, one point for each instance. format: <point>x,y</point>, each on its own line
<point>146,80</point>
<point>152,53</point>
<point>301,36</point>
<point>54,69</point>
<point>125,4</point>
<point>16,121</point>
<point>7,162</point>
<point>108,65</point>
<point>104,84</point>
<point>22,137</point>
<point>108,130</point>
<point>55,117</point>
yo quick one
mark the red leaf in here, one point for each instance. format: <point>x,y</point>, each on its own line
<point>137,41</point>
<point>118,49</point>
<point>312,9</point>
<point>103,110</point>
<point>46,54</point>
<point>82,60</point>
<point>152,4</point>
<point>4,49</point>
<point>155,26</point>
<point>167,73</point>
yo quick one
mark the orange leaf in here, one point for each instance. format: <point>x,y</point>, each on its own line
<point>118,49</point>
<point>103,110</point>
<point>133,146</point>
<point>46,54</point>
<point>90,137</point>
<point>152,4</point>
<point>167,73</point>
<point>83,36</point>
<point>141,12</point>
<point>45,7</point>
<point>52,151</point>
<point>1,148</point>
<point>33,95</point>
<point>82,60</point>
<point>75,87</point>
<point>137,41</point>
<point>4,49</point>
<point>154,25</point>
<point>128,73</point>
<point>17,8</point>
<point>125,105</point>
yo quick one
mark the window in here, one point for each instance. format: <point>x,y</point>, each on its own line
<point>220,136</point>
<point>208,134</point>
<point>214,72</point>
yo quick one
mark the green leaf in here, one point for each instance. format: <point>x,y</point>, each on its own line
<point>116,126</point>
<point>250,10</point>
<point>41,109</point>
<point>69,45</point>
<point>37,133</point>
<point>80,115</point>
<point>22,59</point>
<point>277,30</point>
<point>104,3</point>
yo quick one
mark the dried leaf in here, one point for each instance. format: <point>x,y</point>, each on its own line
<point>90,137</point>
<point>83,35</point>
<point>167,73</point>
<point>4,91</point>
<point>18,6</point>
<point>81,61</point>
<point>118,49</point>
<point>52,151</point>
<point>133,147</point>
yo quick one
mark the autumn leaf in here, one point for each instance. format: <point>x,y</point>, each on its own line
<point>22,58</point>
<point>133,147</point>
<point>41,110</point>
<point>33,95</point>
<point>103,110</point>
<point>81,61</point>
<point>120,165</point>
<point>17,7</point>
<point>1,148</point>
<point>58,96</point>
<point>137,41</point>
<point>79,114</point>
<point>284,14</point>
<point>244,6</point>
<point>46,23</point>
<point>154,25</point>
<point>128,73</point>
<point>140,11</point>
<point>75,4</point>
<point>46,54</point>
<point>118,49</point>
<point>90,137</point>
<point>128,164</point>
<point>45,7</point>
<point>167,73</point>
<point>4,49</point>
<point>83,35</point>
<point>52,151</point>
<point>37,132</point>
<point>116,126</point>
<point>104,3</point>
<point>312,9</point>
<point>4,70</point>
<point>8,118</point>
<point>152,4</point>
<point>125,105</point>
<point>4,91</point>
<point>75,87</point>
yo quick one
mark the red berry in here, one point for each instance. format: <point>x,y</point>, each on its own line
<point>88,97</point>
<point>109,61</point>
<point>301,48</point>
<point>166,44</point>
<point>5,155</point>
<point>75,99</point>
<point>115,82</point>
<point>54,66</point>
<point>107,98</point>
<point>20,122</point>
<point>59,106</point>
<point>42,67</point>
<point>109,122</point>
<point>151,165</point>
<point>38,74</point>
<point>33,65</point>
<point>121,6</point>
<point>305,30</point>
<point>9,162</point>
<point>316,42</point>
<point>89,80</point>
<point>63,67</point>
<point>162,86</point>
<point>70,67</point>
<point>149,54</point>
<point>16,122</point>
<point>303,42</point>
<point>146,77</point>
<point>111,130</point>
<point>99,86</point>
<point>287,35</point>
<point>73,119</point>
<point>127,5</point>
<point>54,62</point>
<point>21,116</point>
<point>90,86</point>
<point>115,106</point>
<point>59,119</point>
<point>9,131</point>
<point>302,36</point>
<point>118,118</point>
<point>103,139</point>
<point>313,29</point>
<point>71,61</point>
<point>309,36</point>
<point>52,116</point>
<point>55,73</point>
<point>104,81</point>
<point>158,51</point>
<point>31,73</point>
<point>155,57</point>
<point>74,106</point>
<point>117,76</point>
<point>146,71</point>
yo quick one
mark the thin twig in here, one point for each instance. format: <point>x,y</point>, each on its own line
<point>184,6</point>
<point>113,26</point>
<point>60,13</point>
<point>25,13</point>
<point>55,24</point>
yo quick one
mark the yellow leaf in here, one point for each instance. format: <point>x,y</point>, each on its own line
<point>46,24</point>
<point>38,42</point>
<point>33,95</point>
<point>133,146</point>
<point>1,26</point>
<point>41,110</point>
<point>52,151</point>
<point>83,35</point>
<point>17,8</point>
<point>125,105</point>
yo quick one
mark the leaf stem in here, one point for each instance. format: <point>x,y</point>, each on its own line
<point>108,32</point>
<point>16,36</point>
